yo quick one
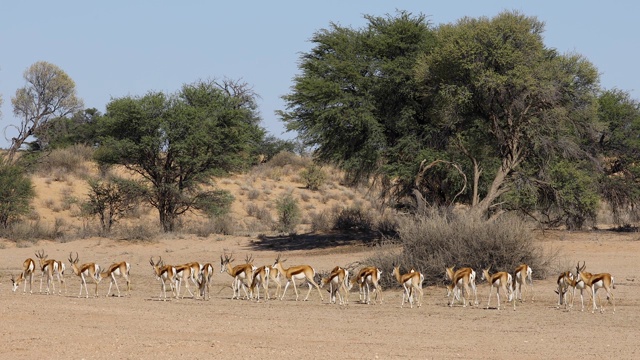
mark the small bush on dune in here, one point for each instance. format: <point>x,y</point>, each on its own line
<point>215,225</point>
<point>289,214</point>
<point>69,160</point>
<point>313,177</point>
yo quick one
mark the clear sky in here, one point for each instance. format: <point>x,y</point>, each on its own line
<point>117,48</point>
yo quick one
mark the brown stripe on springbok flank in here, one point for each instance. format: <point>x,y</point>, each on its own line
<point>522,268</point>
<point>85,267</point>
<point>498,276</point>
<point>601,277</point>
<point>461,274</point>
<point>295,270</point>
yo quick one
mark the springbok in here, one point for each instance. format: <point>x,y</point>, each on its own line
<point>500,280</point>
<point>164,273</point>
<point>337,279</point>
<point>298,272</point>
<point>121,269</point>
<point>411,281</point>
<point>49,268</point>
<point>523,274</point>
<point>595,282</point>
<point>91,270</point>
<point>28,267</point>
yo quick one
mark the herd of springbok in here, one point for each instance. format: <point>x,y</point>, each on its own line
<point>249,278</point>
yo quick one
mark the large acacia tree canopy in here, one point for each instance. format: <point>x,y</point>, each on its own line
<point>478,111</point>
<point>355,96</point>
<point>177,141</point>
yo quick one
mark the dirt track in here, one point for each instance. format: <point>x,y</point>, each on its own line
<point>142,327</point>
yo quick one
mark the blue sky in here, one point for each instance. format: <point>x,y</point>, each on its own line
<point>117,48</point>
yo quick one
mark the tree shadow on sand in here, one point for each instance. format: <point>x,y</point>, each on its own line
<point>310,241</point>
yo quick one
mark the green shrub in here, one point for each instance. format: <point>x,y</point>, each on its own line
<point>15,193</point>
<point>214,203</point>
<point>289,214</point>
<point>313,177</point>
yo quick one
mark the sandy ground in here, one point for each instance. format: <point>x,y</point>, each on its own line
<point>142,327</point>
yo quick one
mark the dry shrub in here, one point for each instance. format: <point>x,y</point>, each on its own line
<point>32,231</point>
<point>321,222</point>
<point>223,225</point>
<point>253,194</point>
<point>289,214</point>
<point>261,213</point>
<point>431,243</point>
<point>137,232</point>
<point>70,160</point>
<point>353,219</point>
<point>285,158</point>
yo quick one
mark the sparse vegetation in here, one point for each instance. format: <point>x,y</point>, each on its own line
<point>111,199</point>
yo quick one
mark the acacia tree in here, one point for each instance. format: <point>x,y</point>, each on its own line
<point>467,112</point>
<point>49,93</point>
<point>510,102</point>
<point>620,145</point>
<point>355,100</point>
<point>177,142</point>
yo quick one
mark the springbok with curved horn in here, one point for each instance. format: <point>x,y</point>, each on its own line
<point>90,270</point>
<point>595,282</point>
<point>28,267</point>
<point>239,273</point>
<point>164,273</point>
<point>297,272</point>
<point>49,268</point>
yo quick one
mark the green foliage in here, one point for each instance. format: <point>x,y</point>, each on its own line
<point>176,142</point>
<point>620,145</point>
<point>271,146</point>
<point>313,177</point>
<point>214,203</point>
<point>466,112</point>
<point>111,199</point>
<point>507,99</point>
<point>15,193</point>
<point>289,214</point>
<point>63,132</point>
<point>576,194</point>
<point>356,97</point>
